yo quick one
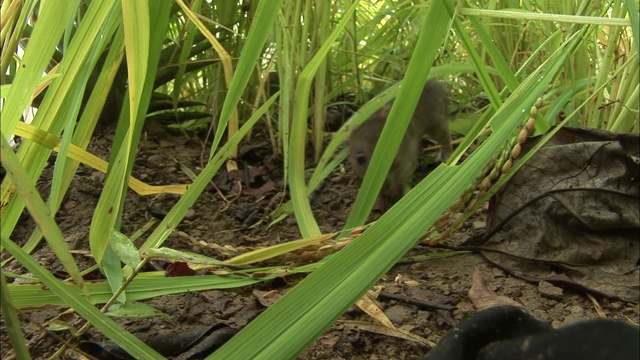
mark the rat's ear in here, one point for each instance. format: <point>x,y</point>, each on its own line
<point>361,158</point>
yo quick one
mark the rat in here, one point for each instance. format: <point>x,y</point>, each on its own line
<point>429,118</point>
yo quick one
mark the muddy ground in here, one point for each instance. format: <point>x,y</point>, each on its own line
<point>443,281</point>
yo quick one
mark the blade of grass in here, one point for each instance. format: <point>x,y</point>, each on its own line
<point>54,108</point>
<point>11,321</point>
<point>39,211</point>
<point>499,62</point>
<point>190,31</point>
<point>227,68</point>
<point>14,14</point>
<point>136,40</point>
<point>301,207</point>
<point>632,8</point>
<point>262,23</point>
<point>145,286</point>
<point>509,14</point>
<point>73,298</point>
<point>76,153</point>
<point>46,33</point>
<point>393,132</point>
<point>109,210</point>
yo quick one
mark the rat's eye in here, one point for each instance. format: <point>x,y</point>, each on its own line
<point>361,158</point>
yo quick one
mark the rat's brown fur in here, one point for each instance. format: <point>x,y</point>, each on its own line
<point>429,118</point>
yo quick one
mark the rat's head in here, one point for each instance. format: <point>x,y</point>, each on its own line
<point>362,142</point>
<point>360,161</point>
<point>361,158</point>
